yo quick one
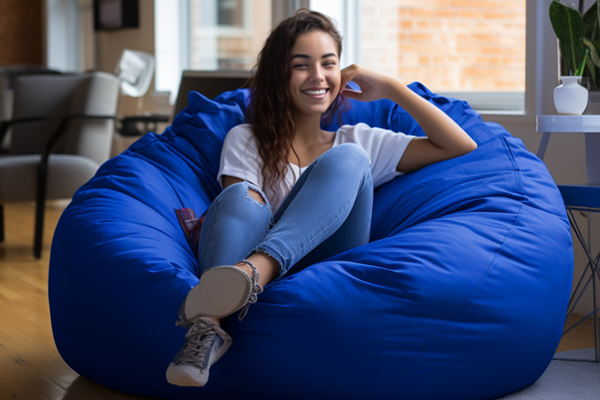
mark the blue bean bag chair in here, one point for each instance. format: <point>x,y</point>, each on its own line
<point>460,294</point>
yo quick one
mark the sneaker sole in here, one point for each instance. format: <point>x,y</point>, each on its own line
<point>221,292</point>
<point>180,375</point>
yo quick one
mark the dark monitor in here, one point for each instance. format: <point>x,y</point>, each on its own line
<point>209,83</point>
<point>116,14</point>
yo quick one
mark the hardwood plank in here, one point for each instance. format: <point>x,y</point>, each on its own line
<point>38,350</point>
<point>5,394</point>
<point>7,293</point>
<point>23,381</point>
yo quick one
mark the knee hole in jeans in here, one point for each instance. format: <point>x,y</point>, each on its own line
<point>256,196</point>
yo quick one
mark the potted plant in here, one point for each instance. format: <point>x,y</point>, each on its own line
<point>579,42</point>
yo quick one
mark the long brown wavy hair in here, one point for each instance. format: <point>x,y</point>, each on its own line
<point>270,108</point>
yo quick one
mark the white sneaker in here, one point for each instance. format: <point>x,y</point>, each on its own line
<point>205,343</point>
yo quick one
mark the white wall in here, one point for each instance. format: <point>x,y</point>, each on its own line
<point>170,45</point>
<point>62,35</point>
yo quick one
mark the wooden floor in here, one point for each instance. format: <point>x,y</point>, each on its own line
<point>30,366</point>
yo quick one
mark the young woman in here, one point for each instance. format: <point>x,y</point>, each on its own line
<point>294,194</point>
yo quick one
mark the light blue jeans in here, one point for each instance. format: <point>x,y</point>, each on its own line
<point>328,211</point>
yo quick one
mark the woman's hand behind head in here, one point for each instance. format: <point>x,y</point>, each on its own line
<point>373,86</point>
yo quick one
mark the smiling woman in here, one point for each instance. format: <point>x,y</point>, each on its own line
<point>301,43</point>
<point>274,217</point>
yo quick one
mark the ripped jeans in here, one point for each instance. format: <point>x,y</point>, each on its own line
<point>328,211</point>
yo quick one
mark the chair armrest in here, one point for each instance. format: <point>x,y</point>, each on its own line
<point>4,125</point>
<point>59,132</point>
<point>42,180</point>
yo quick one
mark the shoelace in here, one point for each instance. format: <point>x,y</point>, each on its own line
<point>199,340</point>
<point>256,290</point>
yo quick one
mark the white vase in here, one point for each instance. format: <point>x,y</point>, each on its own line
<point>570,98</point>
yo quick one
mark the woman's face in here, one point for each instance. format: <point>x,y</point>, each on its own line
<point>315,81</point>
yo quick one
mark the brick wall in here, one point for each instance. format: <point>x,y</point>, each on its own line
<point>449,45</point>
<point>20,32</point>
<point>452,45</point>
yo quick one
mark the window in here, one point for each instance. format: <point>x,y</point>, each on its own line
<point>474,50</point>
<point>207,35</point>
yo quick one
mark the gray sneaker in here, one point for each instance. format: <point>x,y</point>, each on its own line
<point>205,343</point>
<point>221,292</point>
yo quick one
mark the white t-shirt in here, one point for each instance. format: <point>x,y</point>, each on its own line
<point>240,158</point>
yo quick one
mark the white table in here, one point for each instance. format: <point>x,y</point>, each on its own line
<point>588,124</point>
<point>579,197</point>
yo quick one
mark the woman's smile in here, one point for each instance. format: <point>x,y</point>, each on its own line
<point>316,93</point>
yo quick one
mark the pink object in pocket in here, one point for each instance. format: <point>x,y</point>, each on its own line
<point>190,224</point>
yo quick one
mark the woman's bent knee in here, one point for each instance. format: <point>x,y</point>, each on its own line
<point>348,156</point>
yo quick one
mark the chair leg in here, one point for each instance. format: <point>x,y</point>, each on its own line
<point>39,228</point>
<point>1,223</point>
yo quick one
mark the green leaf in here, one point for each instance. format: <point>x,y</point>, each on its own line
<point>594,54</point>
<point>579,71</point>
<point>592,73</point>
<point>568,27</point>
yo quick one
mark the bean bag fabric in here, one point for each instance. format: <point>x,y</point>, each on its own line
<point>460,294</point>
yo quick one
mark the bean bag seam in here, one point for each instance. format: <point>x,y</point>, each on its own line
<point>517,168</point>
<point>560,217</point>
<point>521,186</point>
<point>463,306</point>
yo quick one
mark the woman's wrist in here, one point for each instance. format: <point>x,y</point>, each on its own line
<point>390,88</point>
<point>397,91</point>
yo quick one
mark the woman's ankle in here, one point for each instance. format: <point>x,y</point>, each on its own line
<point>267,267</point>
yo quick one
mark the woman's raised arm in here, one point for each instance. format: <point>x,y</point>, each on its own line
<point>445,139</point>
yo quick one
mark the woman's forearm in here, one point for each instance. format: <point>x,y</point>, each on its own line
<point>441,130</point>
